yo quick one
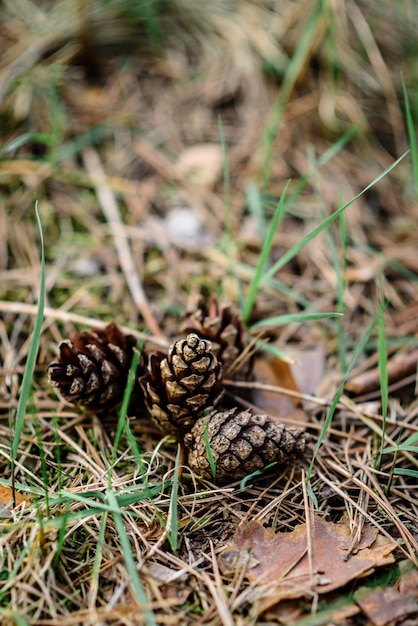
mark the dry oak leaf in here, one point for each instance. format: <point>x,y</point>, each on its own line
<point>282,558</point>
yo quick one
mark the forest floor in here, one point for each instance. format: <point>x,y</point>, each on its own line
<point>158,144</point>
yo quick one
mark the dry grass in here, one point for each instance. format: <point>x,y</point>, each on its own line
<point>99,115</point>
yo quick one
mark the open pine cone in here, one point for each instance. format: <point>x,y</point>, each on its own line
<point>238,443</point>
<point>181,385</point>
<point>223,327</point>
<point>92,368</point>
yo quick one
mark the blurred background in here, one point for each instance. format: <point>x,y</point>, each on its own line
<point>196,115</point>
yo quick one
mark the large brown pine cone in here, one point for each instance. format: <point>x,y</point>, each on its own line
<point>237,443</point>
<point>92,368</point>
<point>181,385</point>
<point>222,326</point>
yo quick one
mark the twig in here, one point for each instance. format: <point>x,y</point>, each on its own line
<point>66,316</point>
<point>110,210</point>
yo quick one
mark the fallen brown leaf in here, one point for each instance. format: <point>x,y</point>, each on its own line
<point>288,612</point>
<point>283,557</point>
<point>273,371</point>
<point>383,606</point>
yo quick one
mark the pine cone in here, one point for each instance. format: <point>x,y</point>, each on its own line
<point>92,368</point>
<point>240,443</point>
<point>180,386</point>
<point>224,329</point>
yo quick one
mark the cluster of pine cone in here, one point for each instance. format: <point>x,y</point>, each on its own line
<point>182,391</point>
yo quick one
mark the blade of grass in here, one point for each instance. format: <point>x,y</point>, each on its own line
<point>258,472</point>
<point>291,318</point>
<point>412,138</point>
<point>61,536</point>
<point>31,358</point>
<point>57,450</point>
<point>42,457</point>
<point>338,262</point>
<point>399,471</point>
<point>275,351</point>
<point>18,619</point>
<point>263,258</point>
<point>410,441</point>
<point>341,284</point>
<point>173,534</point>
<point>230,243</point>
<point>323,159</point>
<point>330,414</point>
<point>288,256</point>
<point>129,559</point>
<point>255,207</point>
<point>121,499</point>
<point>383,375</point>
<point>94,581</point>
<point>212,462</point>
<point>293,70</point>
<point>122,417</point>
<point>226,182</point>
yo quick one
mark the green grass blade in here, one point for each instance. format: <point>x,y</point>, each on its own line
<point>256,473</point>
<point>290,254</point>
<point>42,457</point>
<point>212,462</point>
<point>263,258</point>
<point>95,574</point>
<point>341,285</point>
<point>32,353</point>
<point>61,536</point>
<point>57,450</point>
<point>383,375</point>
<point>173,535</point>
<point>405,445</point>
<point>330,414</point>
<point>290,78</point>
<point>401,448</point>
<point>399,471</point>
<point>122,417</point>
<point>129,560</point>
<point>291,318</point>
<point>227,183</point>
<point>338,262</point>
<point>327,156</point>
<point>255,207</point>
<point>18,619</point>
<point>274,350</point>
<point>412,138</point>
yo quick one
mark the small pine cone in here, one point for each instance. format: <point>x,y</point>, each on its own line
<point>181,385</point>
<point>92,368</point>
<point>240,443</point>
<point>224,329</point>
